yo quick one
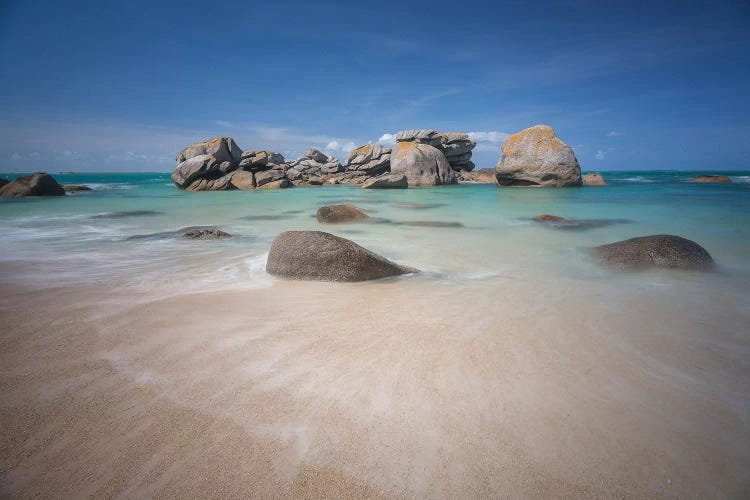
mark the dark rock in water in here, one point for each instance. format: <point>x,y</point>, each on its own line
<point>75,187</point>
<point>164,235</point>
<point>129,213</point>
<point>548,218</point>
<point>386,181</point>
<point>661,250</point>
<point>417,206</point>
<point>38,184</point>
<point>332,214</point>
<point>711,178</point>
<point>205,234</point>
<point>315,255</point>
<point>430,223</point>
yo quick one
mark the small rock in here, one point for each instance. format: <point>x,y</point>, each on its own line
<point>340,213</point>
<point>594,180</point>
<point>75,187</point>
<point>548,218</point>
<point>711,178</point>
<point>205,234</point>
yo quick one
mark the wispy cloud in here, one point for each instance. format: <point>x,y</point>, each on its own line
<point>614,133</point>
<point>602,153</point>
<point>387,139</point>
<point>489,141</point>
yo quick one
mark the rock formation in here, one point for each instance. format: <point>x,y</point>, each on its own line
<point>370,159</point>
<point>332,214</point>
<point>37,184</point>
<point>594,180</point>
<point>314,165</point>
<point>422,163</point>
<point>661,250</point>
<point>711,178</point>
<point>315,255</point>
<point>386,181</point>
<point>536,157</point>
<point>457,147</point>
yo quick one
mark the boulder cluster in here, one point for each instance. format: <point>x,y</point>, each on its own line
<point>312,168</point>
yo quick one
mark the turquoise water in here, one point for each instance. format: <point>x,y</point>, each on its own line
<point>83,237</point>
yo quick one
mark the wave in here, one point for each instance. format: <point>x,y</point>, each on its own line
<point>637,178</point>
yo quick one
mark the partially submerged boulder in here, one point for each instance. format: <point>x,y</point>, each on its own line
<point>76,187</point>
<point>37,184</point>
<point>661,250</point>
<point>422,164</point>
<point>549,218</point>
<point>386,181</point>
<point>536,157</point>
<point>210,233</point>
<point>243,180</point>
<point>315,255</point>
<point>711,178</point>
<point>594,180</point>
<point>370,159</point>
<point>331,214</point>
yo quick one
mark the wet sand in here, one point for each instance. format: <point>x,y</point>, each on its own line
<point>388,389</point>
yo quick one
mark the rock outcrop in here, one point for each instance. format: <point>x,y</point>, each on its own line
<point>711,178</point>
<point>661,250</point>
<point>370,159</point>
<point>313,165</point>
<point>37,184</point>
<point>333,214</point>
<point>457,147</point>
<point>481,176</point>
<point>536,157</point>
<point>594,180</point>
<point>386,181</point>
<point>315,255</point>
<point>421,163</point>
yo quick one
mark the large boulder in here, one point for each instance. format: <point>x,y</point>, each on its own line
<point>215,182</point>
<point>315,255</point>
<point>661,250</point>
<point>422,164</point>
<point>221,148</point>
<point>37,184</point>
<point>457,147</point>
<point>243,180</point>
<point>332,214</point>
<point>370,159</point>
<point>481,176</point>
<point>711,178</point>
<point>386,181</point>
<point>260,160</point>
<point>594,180</point>
<point>536,157</point>
<point>267,176</point>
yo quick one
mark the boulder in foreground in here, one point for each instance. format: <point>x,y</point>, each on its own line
<point>711,178</point>
<point>594,180</point>
<point>662,250</point>
<point>386,181</point>
<point>332,214</point>
<point>315,255</point>
<point>38,184</point>
<point>536,157</point>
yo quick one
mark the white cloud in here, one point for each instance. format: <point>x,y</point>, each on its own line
<point>15,156</point>
<point>488,141</point>
<point>614,133</point>
<point>387,139</point>
<point>600,154</point>
<point>34,154</point>
<point>338,146</point>
<point>333,146</point>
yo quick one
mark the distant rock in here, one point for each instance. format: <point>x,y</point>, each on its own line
<point>331,214</point>
<point>75,187</point>
<point>315,255</point>
<point>536,157</point>
<point>548,218</point>
<point>481,176</point>
<point>37,184</point>
<point>205,234</point>
<point>457,147</point>
<point>711,178</point>
<point>386,181</point>
<point>370,159</point>
<point>594,180</point>
<point>422,164</point>
<point>661,250</point>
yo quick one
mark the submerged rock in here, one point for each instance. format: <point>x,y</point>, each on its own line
<point>536,157</point>
<point>76,187</point>
<point>211,233</point>
<point>422,164</point>
<point>340,213</point>
<point>315,255</point>
<point>594,180</point>
<point>37,184</point>
<point>386,181</point>
<point>548,218</point>
<point>661,250</point>
<point>711,178</point>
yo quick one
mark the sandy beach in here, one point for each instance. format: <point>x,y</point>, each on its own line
<point>266,394</point>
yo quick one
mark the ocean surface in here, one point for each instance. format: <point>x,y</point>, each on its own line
<point>122,232</point>
<point>512,356</point>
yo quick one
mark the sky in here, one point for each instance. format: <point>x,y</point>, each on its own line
<point>124,86</point>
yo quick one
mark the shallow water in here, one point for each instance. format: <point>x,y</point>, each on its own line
<point>511,349</point>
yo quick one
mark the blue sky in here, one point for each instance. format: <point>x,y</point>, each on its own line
<point>125,85</point>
